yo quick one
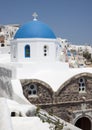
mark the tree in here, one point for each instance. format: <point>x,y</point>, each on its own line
<point>87,55</point>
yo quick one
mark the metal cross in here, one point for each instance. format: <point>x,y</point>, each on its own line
<point>35,15</point>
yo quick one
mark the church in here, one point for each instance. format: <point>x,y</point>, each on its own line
<point>35,68</point>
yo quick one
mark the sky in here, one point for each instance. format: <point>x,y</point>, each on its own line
<point>69,19</point>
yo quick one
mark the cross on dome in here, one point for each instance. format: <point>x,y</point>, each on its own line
<point>35,15</point>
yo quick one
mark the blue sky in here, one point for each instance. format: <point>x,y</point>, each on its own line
<point>69,19</point>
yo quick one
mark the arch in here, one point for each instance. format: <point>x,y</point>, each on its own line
<point>72,79</point>
<point>83,123</point>
<point>27,51</point>
<point>43,95</point>
<point>24,82</point>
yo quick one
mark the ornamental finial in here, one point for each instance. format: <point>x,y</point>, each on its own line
<point>35,15</point>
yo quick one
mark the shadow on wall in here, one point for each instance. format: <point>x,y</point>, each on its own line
<point>5,85</point>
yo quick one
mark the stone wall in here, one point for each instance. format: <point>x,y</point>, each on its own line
<point>44,92</point>
<point>66,100</point>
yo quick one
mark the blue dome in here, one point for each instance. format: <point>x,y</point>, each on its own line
<point>34,29</point>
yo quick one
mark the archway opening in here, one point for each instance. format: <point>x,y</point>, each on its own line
<point>83,123</point>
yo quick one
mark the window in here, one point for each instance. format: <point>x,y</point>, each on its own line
<point>27,51</point>
<point>32,90</point>
<point>82,85</point>
<point>13,114</point>
<point>2,45</point>
<point>45,50</point>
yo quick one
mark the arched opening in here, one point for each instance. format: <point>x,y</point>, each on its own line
<point>27,51</point>
<point>83,123</point>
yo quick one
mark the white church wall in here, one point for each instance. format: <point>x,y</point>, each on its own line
<point>46,51</point>
<point>40,50</point>
<point>14,51</point>
<point>21,51</point>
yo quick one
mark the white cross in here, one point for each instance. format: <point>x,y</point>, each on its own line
<point>35,15</point>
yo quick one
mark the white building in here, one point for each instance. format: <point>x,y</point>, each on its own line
<point>8,31</point>
<point>35,71</point>
<point>34,54</point>
<point>36,57</point>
